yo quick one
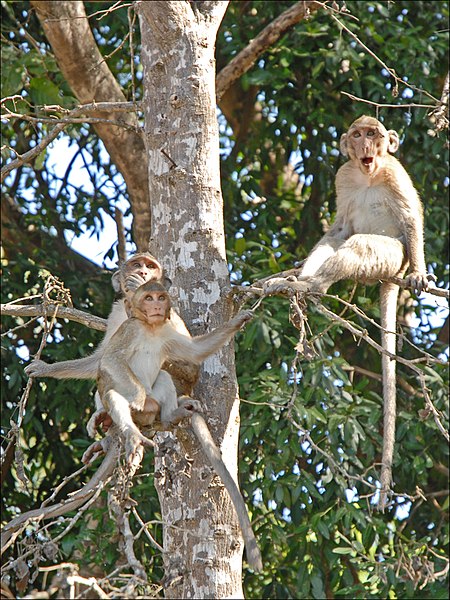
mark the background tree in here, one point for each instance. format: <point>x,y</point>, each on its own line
<point>310,429</point>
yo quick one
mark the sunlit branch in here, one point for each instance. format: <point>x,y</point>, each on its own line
<point>63,312</point>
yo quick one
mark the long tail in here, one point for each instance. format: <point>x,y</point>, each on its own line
<point>203,434</point>
<point>388,305</point>
<point>76,500</point>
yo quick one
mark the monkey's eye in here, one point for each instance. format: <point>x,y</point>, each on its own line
<point>370,133</point>
<point>162,298</point>
<point>356,134</point>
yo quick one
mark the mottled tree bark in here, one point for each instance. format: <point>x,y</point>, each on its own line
<point>202,541</point>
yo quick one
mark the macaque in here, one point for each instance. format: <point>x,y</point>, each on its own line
<point>132,273</point>
<point>377,233</point>
<point>130,372</point>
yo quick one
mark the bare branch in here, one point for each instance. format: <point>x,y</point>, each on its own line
<point>439,116</point>
<point>362,333</point>
<point>241,63</point>
<point>12,529</point>
<point>382,105</point>
<point>39,310</point>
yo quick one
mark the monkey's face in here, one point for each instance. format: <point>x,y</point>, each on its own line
<point>367,142</point>
<point>155,305</point>
<point>367,146</point>
<point>144,267</point>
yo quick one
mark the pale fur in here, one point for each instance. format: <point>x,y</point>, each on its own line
<point>377,232</point>
<point>129,372</point>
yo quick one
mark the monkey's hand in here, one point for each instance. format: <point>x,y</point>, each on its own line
<point>132,282</point>
<point>243,317</point>
<point>95,450</point>
<point>37,368</point>
<point>419,281</point>
<point>100,417</point>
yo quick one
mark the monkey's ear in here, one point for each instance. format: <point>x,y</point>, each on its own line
<point>127,305</point>
<point>394,142</point>
<point>115,280</point>
<point>343,144</point>
<point>166,282</point>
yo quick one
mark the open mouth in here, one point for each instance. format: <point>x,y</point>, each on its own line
<point>367,161</point>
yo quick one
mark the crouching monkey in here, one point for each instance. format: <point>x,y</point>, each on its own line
<point>133,389</point>
<point>377,232</point>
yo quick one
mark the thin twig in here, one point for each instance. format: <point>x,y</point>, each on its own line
<point>382,105</point>
<point>79,110</point>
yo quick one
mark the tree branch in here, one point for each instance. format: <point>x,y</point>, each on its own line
<point>67,29</point>
<point>41,310</point>
<point>12,529</point>
<point>92,107</point>
<point>241,63</point>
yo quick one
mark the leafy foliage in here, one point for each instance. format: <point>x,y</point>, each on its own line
<point>311,429</point>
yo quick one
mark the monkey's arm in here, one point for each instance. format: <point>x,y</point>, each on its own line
<point>408,210</point>
<point>80,368</point>
<point>180,347</point>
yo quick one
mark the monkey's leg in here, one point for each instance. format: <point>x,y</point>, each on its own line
<point>363,257</point>
<point>119,410</point>
<point>322,252</point>
<point>165,394</point>
<point>204,436</point>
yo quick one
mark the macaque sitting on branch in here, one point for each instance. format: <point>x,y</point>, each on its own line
<point>138,269</point>
<point>134,390</point>
<point>377,233</point>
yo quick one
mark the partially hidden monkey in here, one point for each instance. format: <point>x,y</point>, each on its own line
<point>138,269</point>
<point>378,230</point>
<point>130,369</point>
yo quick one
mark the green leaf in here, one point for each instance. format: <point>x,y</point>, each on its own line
<point>43,91</point>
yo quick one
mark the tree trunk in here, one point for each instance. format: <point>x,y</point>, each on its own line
<point>202,541</point>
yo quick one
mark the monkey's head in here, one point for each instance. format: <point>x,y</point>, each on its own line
<point>143,265</point>
<point>367,142</point>
<point>150,303</point>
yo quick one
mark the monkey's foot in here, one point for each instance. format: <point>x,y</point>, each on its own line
<point>99,417</point>
<point>95,450</point>
<point>186,408</point>
<point>280,285</point>
<point>190,404</point>
<point>419,281</point>
<point>134,442</point>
